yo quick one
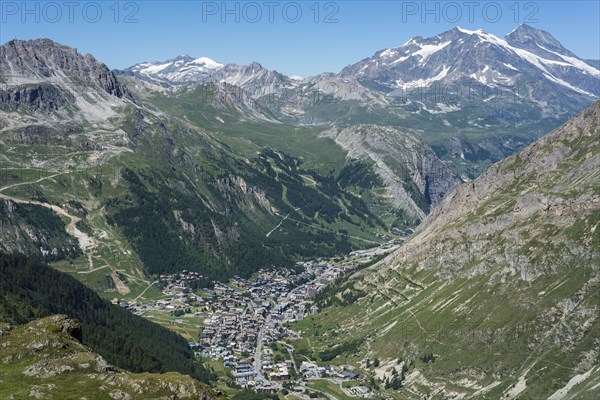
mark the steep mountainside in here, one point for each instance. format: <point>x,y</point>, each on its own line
<point>409,179</point>
<point>497,293</point>
<point>146,189</point>
<point>413,177</point>
<point>31,290</point>
<point>29,229</point>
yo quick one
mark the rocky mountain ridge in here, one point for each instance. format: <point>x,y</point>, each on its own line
<point>44,61</point>
<point>496,294</point>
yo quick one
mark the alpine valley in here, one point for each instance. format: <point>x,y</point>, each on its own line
<point>434,206</point>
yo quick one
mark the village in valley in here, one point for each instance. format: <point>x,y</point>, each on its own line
<point>246,325</point>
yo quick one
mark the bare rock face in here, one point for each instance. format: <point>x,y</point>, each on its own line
<point>439,180</point>
<point>43,60</point>
<point>119,395</point>
<point>402,161</point>
<point>235,188</point>
<point>69,326</point>
<point>39,97</point>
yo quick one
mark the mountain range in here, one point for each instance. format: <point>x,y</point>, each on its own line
<point>253,148</point>
<point>117,177</point>
<point>472,97</point>
<point>457,67</point>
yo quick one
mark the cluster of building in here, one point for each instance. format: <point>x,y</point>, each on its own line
<point>244,319</point>
<point>311,370</point>
<point>247,315</point>
<point>179,289</point>
<point>244,315</point>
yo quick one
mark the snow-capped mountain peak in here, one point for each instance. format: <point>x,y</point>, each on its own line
<point>461,56</point>
<point>526,64</point>
<point>207,63</point>
<point>181,69</point>
<point>531,39</point>
<point>469,32</point>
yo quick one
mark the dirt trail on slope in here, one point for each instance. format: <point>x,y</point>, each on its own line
<point>86,242</point>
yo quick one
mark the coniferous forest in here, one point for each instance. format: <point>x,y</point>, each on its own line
<point>30,289</point>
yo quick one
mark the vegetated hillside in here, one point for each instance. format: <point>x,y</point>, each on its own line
<point>398,157</point>
<point>45,359</point>
<point>149,192</point>
<point>30,290</point>
<point>31,229</point>
<point>172,227</point>
<point>498,293</point>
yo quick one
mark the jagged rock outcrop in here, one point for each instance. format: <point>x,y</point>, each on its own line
<point>235,189</point>
<point>43,60</point>
<point>39,97</point>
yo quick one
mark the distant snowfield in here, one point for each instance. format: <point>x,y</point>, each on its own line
<point>429,49</point>
<point>178,70</point>
<point>423,82</point>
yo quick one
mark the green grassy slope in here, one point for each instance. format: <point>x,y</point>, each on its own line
<point>497,294</point>
<point>43,359</point>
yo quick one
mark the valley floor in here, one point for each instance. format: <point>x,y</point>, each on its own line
<point>244,328</point>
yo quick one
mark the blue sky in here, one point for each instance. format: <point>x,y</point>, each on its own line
<point>297,38</point>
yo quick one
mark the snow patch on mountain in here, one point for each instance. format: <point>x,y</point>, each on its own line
<point>427,50</point>
<point>423,82</point>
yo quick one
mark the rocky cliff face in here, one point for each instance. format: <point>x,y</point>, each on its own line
<point>55,84</point>
<point>414,178</point>
<point>496,294</point>
<point>44,359</point>
<point>43,60</point>
<point>40,97</point>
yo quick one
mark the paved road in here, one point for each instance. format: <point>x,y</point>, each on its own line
<point>290,350</point>
<point>258,352</point>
